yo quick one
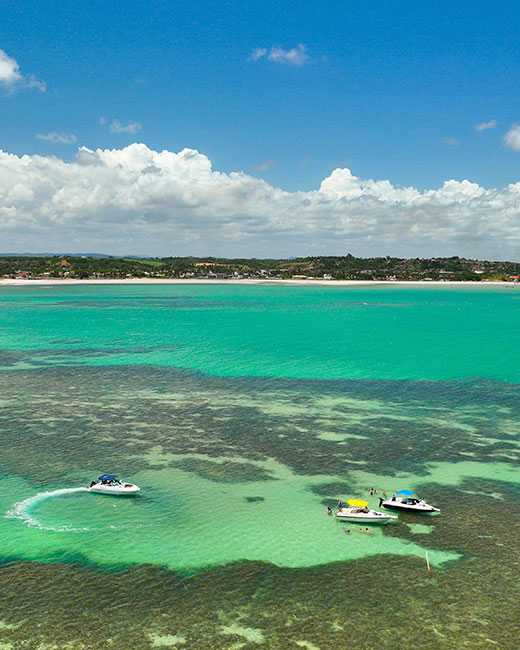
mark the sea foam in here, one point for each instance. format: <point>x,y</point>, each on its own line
<point>22,509</point>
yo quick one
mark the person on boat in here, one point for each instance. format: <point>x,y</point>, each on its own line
<point>92,483</point>
<point>380,501</point>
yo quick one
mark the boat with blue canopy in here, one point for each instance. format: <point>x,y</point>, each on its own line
<point>110,484</point>
<point>407,501</point>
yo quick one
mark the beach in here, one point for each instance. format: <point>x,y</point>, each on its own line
<point>267,282</point>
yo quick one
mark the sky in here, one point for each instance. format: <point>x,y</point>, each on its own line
<point>260,128</point>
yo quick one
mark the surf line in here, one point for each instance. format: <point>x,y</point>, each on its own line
<point>22,509</point>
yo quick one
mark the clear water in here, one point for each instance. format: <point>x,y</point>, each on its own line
<point>242,411</point>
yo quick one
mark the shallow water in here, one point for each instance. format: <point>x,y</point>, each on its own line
<point>242,411</point>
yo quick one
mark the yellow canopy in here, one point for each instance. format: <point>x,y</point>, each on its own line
<point>358,503</point>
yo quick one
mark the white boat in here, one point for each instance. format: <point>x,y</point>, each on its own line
<point>407,501</point>
<point>357,511</point>
<point>110,484</point>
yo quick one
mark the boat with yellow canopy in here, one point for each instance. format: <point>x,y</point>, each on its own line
<point>357,511</point>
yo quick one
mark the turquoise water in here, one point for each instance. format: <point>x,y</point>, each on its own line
<point>295,332</point>
<point>242,412</point>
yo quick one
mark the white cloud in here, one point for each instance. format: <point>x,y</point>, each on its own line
<point>452,142</point>
<point>57,137</point>
<point>118,127</point>
<point>258,53</point>
<point>484,126</point>
<point>11,76</point>
<point>9,70</point>
<point>512,138</point>
<point>136,200</point>
<point>295,56</point>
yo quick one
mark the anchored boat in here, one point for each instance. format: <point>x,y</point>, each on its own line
<point>407,501</point>
<point>110,484</point>
<point>357,511</point>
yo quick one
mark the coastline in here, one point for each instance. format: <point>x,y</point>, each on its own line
<point>322,283</point>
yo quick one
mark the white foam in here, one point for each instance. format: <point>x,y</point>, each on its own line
<point>22,509</point>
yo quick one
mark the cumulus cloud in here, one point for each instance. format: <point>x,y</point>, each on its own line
<point>138,200</point>
<point>296,56</point>
<point>57,137</point>
<point>512,138</point>
<point>484,126</point>
<point>11,76</point>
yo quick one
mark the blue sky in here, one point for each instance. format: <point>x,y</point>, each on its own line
<point>384,88</point>
<point>391,90</point>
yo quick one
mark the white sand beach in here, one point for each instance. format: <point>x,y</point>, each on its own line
<point>289,282</point>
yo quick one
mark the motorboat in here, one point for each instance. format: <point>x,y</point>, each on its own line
<point>110,484</point>
<point>407,501</point>
<point>357,511</point>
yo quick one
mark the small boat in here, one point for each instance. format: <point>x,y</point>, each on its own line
<point>407,501</point>
<point>110,484</point>
<point>357,511</point>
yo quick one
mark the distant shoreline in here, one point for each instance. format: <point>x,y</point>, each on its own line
<point>322,283</point>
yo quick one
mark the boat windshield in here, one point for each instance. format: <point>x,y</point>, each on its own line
<point>109,479</point>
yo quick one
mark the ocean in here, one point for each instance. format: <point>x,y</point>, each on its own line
<point>242,412</point>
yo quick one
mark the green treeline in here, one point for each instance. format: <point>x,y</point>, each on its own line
<point>345,267</point>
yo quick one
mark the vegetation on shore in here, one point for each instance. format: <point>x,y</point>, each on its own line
<point>345,267</point>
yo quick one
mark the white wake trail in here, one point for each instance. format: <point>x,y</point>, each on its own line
<point>22,509</point>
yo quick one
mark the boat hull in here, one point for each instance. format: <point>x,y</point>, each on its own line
<point>400,507</point>
<point>365,518</point>
<point>356,520</point>
<point>115,490</point>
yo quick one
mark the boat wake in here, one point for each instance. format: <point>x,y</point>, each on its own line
<point>22,509</point>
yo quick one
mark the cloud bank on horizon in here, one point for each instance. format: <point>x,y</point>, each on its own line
<point>136,200</point>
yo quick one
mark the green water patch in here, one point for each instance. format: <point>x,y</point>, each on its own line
<point>202,446</point>
<point>377,333</point>
<point>394,600</point>
<point>187,522</point>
